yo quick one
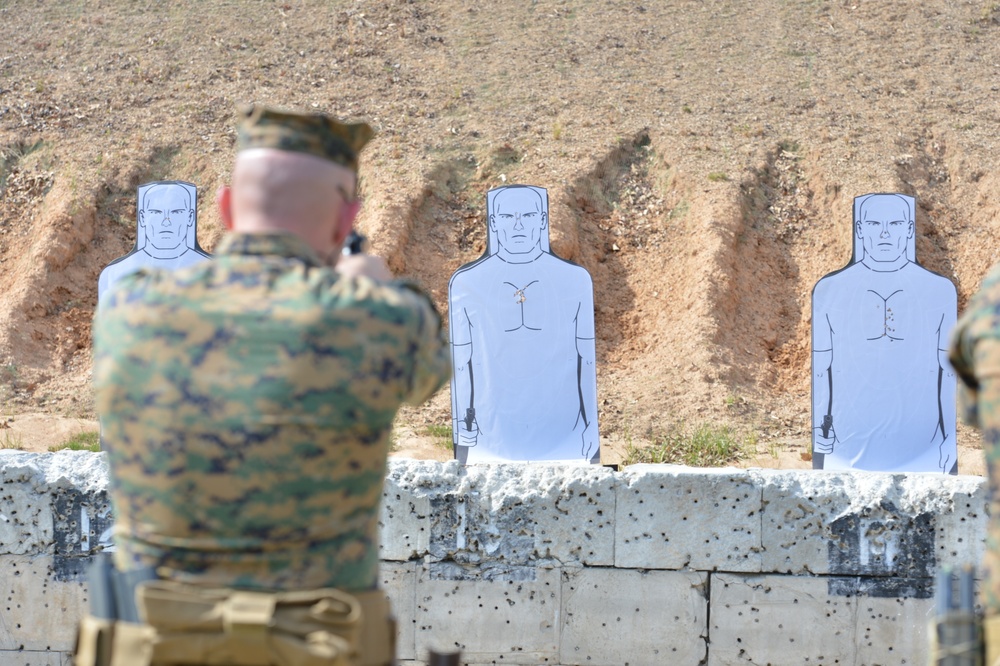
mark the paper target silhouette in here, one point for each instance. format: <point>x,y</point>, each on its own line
<point>524,386</point>
<point>166,232</point>
<point>883,392</point>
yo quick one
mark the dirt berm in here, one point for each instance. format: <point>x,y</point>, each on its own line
<point>701,158</point>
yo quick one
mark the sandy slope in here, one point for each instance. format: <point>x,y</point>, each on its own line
<point>701,158</point>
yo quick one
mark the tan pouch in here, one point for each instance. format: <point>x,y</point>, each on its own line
<point>101,642</point>
<point>991,639</point>
<point>132,644</point>
<point>378,631</point>
<point>322,627</point>
<point>93,642</point>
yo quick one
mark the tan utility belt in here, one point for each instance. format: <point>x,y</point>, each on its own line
<point>185,624</point>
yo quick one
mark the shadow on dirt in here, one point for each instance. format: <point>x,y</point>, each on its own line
<point>760,306</point>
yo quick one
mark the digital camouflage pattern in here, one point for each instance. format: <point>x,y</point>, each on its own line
<point>246,405</point>
<point>315,134</point>
<point>975,353</point>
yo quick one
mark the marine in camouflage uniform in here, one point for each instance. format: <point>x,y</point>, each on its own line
<point>246,402</point>
<point>975,354</point>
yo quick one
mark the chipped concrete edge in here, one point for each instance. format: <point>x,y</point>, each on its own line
<point>547,560</point>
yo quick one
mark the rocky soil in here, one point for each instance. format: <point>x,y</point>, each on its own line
<point>701,158</point>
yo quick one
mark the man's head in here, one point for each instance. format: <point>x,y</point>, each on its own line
<point>884,226</point>
<point>295,173</point>
<point>166,214</point>
<point>518,219</point>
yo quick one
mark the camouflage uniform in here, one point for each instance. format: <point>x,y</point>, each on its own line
<point>247,404</point>
<point>975,353</point>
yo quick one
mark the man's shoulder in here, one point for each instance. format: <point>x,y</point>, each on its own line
<point>838,285</point>
<point>933,288</point>
<point>130,261</point>
<point>565,266</point>
<point>473,271</point>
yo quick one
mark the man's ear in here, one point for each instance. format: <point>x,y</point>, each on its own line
<point>545,220</point>
<point>349,213</point>
<point>142,222</point>
<point>224,199</point>
<point>857,229</point>
<point>910,234</point>
<point>493,223</point>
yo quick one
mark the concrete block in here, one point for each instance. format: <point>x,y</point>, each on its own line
<point>510,621</point>
<point>874,524</point>
<point>35,658</point>
<point>82,525</point>
<point>406,509</point>
<point>81,470</point>
<point>37,612</point>
<point>25,520</point>
<point>29,484</point>
<point>616,617</point>
<point>508,515</point>
<point>399,580</point>
<point>779,620</point>
<point>959,505</point>
<point>892,631</point>
<point>672,517</point>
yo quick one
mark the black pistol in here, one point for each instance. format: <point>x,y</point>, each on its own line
<point>354,243</point>
<point>827,424</point>
<point>470,418</point>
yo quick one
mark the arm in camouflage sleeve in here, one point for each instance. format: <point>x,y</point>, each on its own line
<point>429,347</point>
<point>970,352</point>
<point>988,411</point>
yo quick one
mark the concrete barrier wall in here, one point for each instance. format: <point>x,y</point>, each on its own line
<point>577,565</point>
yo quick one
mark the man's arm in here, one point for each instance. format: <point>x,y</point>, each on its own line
<point>464,410</point>
<point>586,373</point>
<point>945,433</point>
<point>824,432</point>
<point>945,404</point>
<point>364,265</point>
<point>431,363</point>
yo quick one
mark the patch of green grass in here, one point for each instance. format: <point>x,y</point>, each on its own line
<point>11,441</point>
<point>438,430</point>
<point>708,445</point>
<point>775,448</point>
<point>9,372</point>
<point>679,211</point>
<point>718,177</point>
<point>789,146</point>
<point>441,434</point>
<point>82,441</point>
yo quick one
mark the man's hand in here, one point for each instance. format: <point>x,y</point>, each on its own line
<point>589,440</point>
<point>944,459</point>
<point>823,444</point>
<point>467,436</point>
<point>364,265</point>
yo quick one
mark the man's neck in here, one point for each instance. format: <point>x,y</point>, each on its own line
<point>525,258</point>
<point>885,266</point>
<point>164,255</point>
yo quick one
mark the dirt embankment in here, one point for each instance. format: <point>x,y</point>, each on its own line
<point>701,160</point>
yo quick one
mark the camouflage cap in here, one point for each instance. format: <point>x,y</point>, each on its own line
<point>311,133</point>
